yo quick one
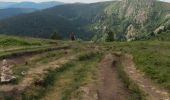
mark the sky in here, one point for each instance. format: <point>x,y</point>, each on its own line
<point>66,1</point>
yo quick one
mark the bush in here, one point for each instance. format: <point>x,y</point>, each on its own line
<point>56,36</point>
<point>86,56</point>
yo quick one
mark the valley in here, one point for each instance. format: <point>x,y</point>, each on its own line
<point>126,20</point>
<point>110,50</point>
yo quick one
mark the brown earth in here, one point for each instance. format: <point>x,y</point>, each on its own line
<point>32,72</point>
<point>153,91</point>
<point>111,86</point>
<point>22,58</point>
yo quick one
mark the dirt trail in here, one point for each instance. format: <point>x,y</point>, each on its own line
<point>35,73</point>
<point>111,87</point>
<point>21,58</point>
<point>153,91</point>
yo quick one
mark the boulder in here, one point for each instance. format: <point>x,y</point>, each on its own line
<point>6,72</point>
<point>159,30</point>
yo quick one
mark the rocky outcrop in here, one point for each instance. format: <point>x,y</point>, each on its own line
<point>131,33</point>
<point>6,72</point>
<point>136,19</point>
<point>159,29</point>
<point>138,10</point>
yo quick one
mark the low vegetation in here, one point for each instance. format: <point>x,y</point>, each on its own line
<point>137,94</point>
<point>151,57</point>
<point>68,81</point>
<point>76,74</point>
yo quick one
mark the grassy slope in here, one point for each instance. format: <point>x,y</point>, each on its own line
<point>66,82</point>
<point>12,45</point>
<point>152,57</point>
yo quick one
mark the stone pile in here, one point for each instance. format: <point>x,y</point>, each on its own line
<point>6,72</point>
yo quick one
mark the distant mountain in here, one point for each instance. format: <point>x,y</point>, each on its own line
<point>61,19</point>
<point>32,5</point>
<point>10,9</point>
<point>10,12</point>
<point>127,20</point>
<point>4,5</point>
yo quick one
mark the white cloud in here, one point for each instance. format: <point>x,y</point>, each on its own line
<point>166,0</point>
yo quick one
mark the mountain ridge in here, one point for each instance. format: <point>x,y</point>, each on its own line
<point>127,20</point>
<point>11,9</point>
<point>11,12</point>
<point>33,5</point>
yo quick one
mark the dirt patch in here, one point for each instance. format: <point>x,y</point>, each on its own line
<point>153,91</point>
<point>36,72</point>
<point>33,72</point>
<point>21,58</point>
<point>111,86</point>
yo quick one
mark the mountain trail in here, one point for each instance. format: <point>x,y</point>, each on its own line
<point>33,73</point>
<point>111,86</point>
<point>153,91</point>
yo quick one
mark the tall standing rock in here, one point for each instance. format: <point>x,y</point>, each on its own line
<point>6,72</point>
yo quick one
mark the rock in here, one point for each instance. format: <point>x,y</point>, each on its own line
<point>159,29</point>
<point>131,33</point>
<point>6,72</point>
<point>23,73</point>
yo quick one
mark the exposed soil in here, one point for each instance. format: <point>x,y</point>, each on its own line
<point>33,72</point>
<point>21,58</point>
<point>154,92</point>
<point>29,80</point>
<point>110,86</point>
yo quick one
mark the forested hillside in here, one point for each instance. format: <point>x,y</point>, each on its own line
<point>10,12</point>
<point>62,19</point>
<point>33,5</point>
<point>119,20</point>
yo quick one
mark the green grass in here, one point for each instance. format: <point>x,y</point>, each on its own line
<point>136,93</point>
<point>38,59</point>
<point>37,92</point>
<point>151,57</point>
<point>164,36</point>
<point>13,43</point>
<point>87,55</point>
<point>79,72</point>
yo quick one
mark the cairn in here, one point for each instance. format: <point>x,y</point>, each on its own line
<point>6,72</point>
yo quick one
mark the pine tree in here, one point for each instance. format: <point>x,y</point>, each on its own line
<point>56,36</point>
<point>110,36</point>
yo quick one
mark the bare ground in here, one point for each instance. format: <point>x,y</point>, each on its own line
<point>110,86</point>
<point>32,73</point>
<point>22,58</point>
<point>153,91</point>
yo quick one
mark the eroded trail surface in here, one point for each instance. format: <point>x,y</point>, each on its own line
<point>32,73</point>
<point>35,72</point>
<point>22,58</point>
<point>153,91</point>
<point>110,86</point>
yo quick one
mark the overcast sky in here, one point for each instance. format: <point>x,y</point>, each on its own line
<point>67,1</point>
